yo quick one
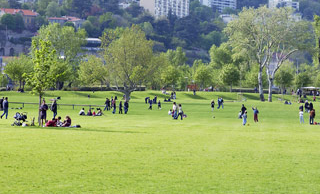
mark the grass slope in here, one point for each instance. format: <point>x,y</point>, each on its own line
<point>148,152</point>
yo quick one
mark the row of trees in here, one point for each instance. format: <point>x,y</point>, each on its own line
<point>260,43</point>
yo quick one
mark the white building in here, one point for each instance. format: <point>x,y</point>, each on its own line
<point>220,4</point>
<point>283,3</point>
<point>160,8</point>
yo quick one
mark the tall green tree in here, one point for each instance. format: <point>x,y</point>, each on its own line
<point>203,75</point>
<point>40,79</point>
<point>128,55</point>
<point>92,71</point>
<point>17,67</point>
<point>53,9</point>
<point>268,35</point>
<point>230,75</point>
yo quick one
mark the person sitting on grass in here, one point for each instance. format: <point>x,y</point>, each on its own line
<point>89,112</point>
<point>170,112</point>
<point>54,122</point>
<point>99,113</point>
<point>66,122</point>
<point>93,113</point>
<point>82,113</point>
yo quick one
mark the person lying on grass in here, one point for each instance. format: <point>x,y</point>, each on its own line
<point>54,122</point>
<point>66,122</point>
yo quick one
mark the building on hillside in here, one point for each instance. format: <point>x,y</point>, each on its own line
<point>77,22</point>
<point>220,4</point>
<point>27,15</point>
<point>284,3</point>
<point>161,8</point>
<point>226,18</point>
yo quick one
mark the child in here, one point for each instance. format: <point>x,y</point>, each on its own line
<point>150,104</point>
<point>244,118</point>
<point>180,112</point>
<point>240,115</point>
<point>170,112</point>
<point>159,105</point>
<point>212,105</point>
<point>301,116</point>
<point>255,114</point>
<point>120,107</point>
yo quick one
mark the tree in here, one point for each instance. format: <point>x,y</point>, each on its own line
<point>93,71</point>
<point>9,21</point>
<point>17,67</point>
<point>220,56</point>
<point>302,80</point>
<point>53,9</point>
<point>203,75</point>
<point>44,57</point>
<point>177,57</point>
<point>67,43</point>
<point>15,4</point>
<point>128,55</point>
<point>19,24</point>
<point>284,78</point>
<point>170,76</point>
<point>230,75</point>
<point>266,35</point>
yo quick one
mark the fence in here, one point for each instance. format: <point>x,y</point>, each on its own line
<point>73,105</point>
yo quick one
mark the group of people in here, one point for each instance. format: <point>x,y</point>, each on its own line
<point>112,104</point>
<point>308,109</point>
<point>54,122</point>
<point>176,111</point>
<point>91,113</point>
<point>153,101</point>
<point>243,114</point>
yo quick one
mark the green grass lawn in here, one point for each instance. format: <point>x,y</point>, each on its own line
<point>148,152</point>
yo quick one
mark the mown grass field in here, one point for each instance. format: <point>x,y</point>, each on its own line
<point>148,152</point>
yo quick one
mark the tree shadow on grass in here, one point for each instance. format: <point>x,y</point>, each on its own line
<point>252,96</point>
<point>195,97</point>
<point>159,95</point>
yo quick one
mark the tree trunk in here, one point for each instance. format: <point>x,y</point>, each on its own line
<point>270,89</point>
<point>230,88</point>
<point>20,84</point>
<point>39,109</point>
<point>127,93</point>
<point>260,85</point>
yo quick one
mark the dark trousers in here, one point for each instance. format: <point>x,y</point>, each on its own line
<point>5,112</point>
<point>180,114</point>
<point>311,120</point>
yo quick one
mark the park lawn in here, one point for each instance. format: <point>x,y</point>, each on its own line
<point>148,152</point>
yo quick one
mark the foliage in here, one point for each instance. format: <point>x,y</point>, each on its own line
<point>230,75</point>
<point>53,10</point>
<point>202,75</point>
<point>92,71</point>
<point>302,80</point>
<point>128,55</point>
<point>284,78</point>
<point>17,67</point>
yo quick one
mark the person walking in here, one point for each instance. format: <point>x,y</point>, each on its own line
<point>120,107</point>
<point>306,106</point>
<point>43,113</point>
<point>301,116</point>
<point>180,112</point>
<point>221,102</point>
<point>255,114</point>
<point>310,106</point>
<point>5,107</point>
<point>54,108</point>
<point>159,105</point>
<point>126,107</point>
<point>212,105</point>
<point>174,110</point>
<point>244,118</point>
<point>312,115</point>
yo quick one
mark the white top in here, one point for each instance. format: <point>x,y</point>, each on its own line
<point>301,113</point>
<point>81,111</point>
<point>180,109</point>
<point>169,112</point>
<point>174,107</point>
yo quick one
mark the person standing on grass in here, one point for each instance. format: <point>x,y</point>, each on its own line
<point>5,107</point>
<point>312,115</point>
<point>120,107</point>
<point>114,107</point>
<point>310,106</point>
<point>107,103</point>
<point>174,110</point>
<point>255,114</point>
<point>221,101</point>
<point>243,109</point>
<point>126,107</point>
<point>150,104</point>
<point>306,106</point>
<point>180,112</point>
<point>1,103</point>
<point>159,105</point>
<point>244,118</point>
<point>212,105</point>
<point>301,116</point>
<point>54,108</point>
<point>43,112</point>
